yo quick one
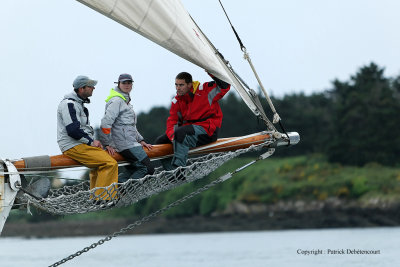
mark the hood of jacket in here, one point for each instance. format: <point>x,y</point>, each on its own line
<point>116,92</point>
<point>189,95</point>
<point>75,97</point>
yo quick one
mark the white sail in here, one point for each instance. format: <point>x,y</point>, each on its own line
<point>167,23</point>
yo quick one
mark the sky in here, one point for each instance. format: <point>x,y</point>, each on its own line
<point>295,46</point>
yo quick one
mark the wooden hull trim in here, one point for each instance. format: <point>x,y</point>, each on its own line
<point>164,151</point>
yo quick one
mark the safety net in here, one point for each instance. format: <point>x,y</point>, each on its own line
<point>80,198</point>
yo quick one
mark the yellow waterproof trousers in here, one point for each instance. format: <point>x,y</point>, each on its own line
<point>104,168</point>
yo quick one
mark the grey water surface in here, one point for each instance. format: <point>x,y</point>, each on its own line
<point>326,247</point>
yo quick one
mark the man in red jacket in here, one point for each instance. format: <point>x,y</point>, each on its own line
<point>195,116</point>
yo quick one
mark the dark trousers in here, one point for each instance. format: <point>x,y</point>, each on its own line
<point>139,167</point>
<point>186,137</point>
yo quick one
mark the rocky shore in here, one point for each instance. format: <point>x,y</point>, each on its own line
<point>332,213</point>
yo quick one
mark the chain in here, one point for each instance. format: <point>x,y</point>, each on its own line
<point>169,206</point>
<point>144,219</point>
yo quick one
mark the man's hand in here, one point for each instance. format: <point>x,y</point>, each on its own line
<point>144,144</point>
<point>111,150</point>
<point>97,143</point>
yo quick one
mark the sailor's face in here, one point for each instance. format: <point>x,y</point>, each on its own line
<point>126,86</point>
<point>86,91</point>
<point>182,88</point>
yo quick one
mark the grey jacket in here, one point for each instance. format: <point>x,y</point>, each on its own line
<point>121,118</point>
<point>73,127</point>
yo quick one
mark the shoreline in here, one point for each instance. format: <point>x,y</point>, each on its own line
<point>237,217</point>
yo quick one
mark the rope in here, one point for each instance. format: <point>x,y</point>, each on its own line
<point>257,110</point>
<point>54,170</point>
<point>30,194</point>
<point>246,56</point>
<point>261,114</point>
<point>219,180</point>
<point>233,28</point>
<point>276,117</point>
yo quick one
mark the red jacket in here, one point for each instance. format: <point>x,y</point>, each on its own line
<point>199,107</point>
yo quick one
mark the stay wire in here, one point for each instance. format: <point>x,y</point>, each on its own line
<point>276,116</point>
<point>242,47</point>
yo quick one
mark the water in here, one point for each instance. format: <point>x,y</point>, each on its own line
<point>229,249</point>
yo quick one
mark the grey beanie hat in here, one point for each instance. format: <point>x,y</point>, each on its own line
<point>82,81</point>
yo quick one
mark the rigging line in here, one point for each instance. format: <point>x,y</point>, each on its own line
<point>34,173</point>
<point>52,177</point>
<point>67,179</point>
<point>31,171</point>
<point>259,111</point>
<point>15,204</point>
<point>287,135</point>
<point>239,78</point>
<point>29,193</point>
<point>32,176</point>
<point>219,180</point>
<point>242,47</point>
<point>276,116</point>
<point>64,168</point>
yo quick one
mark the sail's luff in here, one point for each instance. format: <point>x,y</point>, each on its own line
<point>168,24</point>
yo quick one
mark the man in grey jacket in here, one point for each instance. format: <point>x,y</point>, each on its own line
<point>119,132</point>
<point>75,138</point>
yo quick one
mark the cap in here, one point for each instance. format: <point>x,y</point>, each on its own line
<point>82,81</point>
<point>124,77</point>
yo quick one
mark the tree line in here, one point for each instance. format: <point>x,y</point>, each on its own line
<point>353,123</point>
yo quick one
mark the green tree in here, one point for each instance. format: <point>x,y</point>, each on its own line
<point>310,116</point>
<point>152,124</point>
<point>238,118</point>
<point>366,119</point>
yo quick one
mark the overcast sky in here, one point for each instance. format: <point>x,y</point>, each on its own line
<point>295,45</point>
